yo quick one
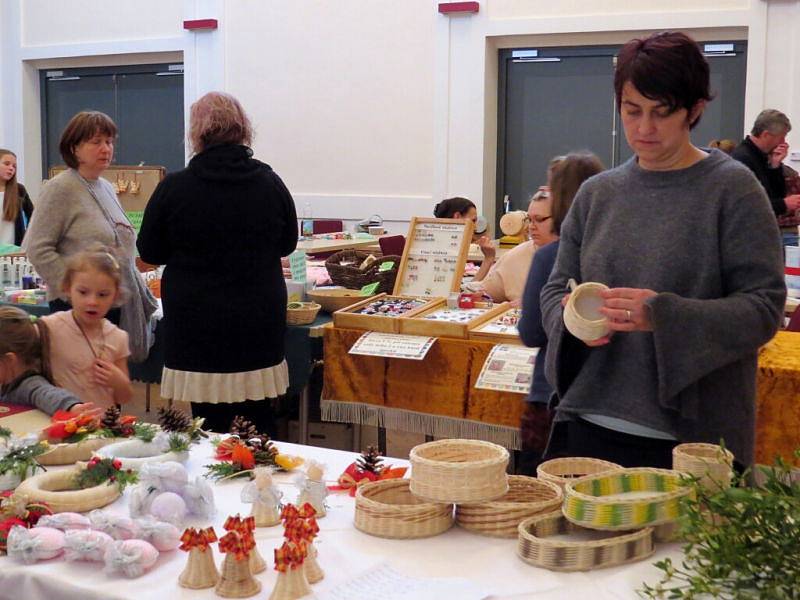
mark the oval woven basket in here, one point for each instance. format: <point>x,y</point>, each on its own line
<point>353,277</point>
<point>459,471</point>
<point>562,470</point>
<point>69,454</point>
<point>563,554</point>
<point>711,463</point>
<point>388,509</point>
<point>56,489</point>
<point>606,501</point>
<point>301,313</point>
<point>526,497</point>
<point>134,454</point>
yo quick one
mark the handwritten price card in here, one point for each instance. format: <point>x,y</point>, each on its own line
<point>393,345</point>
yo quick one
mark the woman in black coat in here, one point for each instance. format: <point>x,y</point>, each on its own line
<point>221,227</point>
<point>16,207</point>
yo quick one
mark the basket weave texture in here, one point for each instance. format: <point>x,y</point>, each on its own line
<point>304,315</point>
<point>350,276</point>
<point>526,497</point>
<point>534,547</point>
<point>388,509</point>
<point>563,470</point>
<point>712,464</point>
<point>596,501</point>
<point>459,471</point>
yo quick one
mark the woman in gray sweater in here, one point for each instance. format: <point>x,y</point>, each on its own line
<point>687,242</point>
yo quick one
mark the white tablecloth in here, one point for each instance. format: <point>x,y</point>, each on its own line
<point>344,553</point>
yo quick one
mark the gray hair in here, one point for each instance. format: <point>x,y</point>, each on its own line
<point>772,121</point>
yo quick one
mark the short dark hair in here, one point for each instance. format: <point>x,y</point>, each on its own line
<point>567,176</point>
<point>666,66</point>
<point>447,208</point>
<point>84,126</point>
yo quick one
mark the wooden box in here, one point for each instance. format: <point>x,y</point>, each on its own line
<point>135,183</point>
<point>494,330</point>
<point>351,316</point>
<point>425,323</point>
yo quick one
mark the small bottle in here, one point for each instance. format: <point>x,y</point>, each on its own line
<point>307,221</point>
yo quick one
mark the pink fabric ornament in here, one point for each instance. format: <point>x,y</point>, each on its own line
<point>130,557</point>
<point>169,507</point>
<point>65,521</point>
<point>32,545</point>
<point>86,544</point>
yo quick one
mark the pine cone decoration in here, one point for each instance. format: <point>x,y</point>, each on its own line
<point>244,429</point>
<point>370,461</point>
<point>111,418</point>
<point>172,419</point>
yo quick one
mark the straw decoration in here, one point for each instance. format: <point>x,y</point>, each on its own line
<point>197,538</point>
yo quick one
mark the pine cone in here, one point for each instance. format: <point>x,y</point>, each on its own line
<point>244,429</point>
<point>172,419</point>
<point>111,418</point>
<point>370,461</point>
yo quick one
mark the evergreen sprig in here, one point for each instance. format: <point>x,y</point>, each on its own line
<point>224,470</point>
<point>103,470</point>
<point>5,432</point>
<point>23,460</point>
<point>742,542</point>
<point>179,442</point>
<point>145,431</point>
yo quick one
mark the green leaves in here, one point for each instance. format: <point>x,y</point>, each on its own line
<point>145,431</point>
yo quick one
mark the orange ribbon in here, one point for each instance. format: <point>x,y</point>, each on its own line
<point>289,556</point>
<point>353,477</point>
<point>237,543</point>
<point>197,538</point>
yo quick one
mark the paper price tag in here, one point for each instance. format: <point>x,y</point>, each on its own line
<point>393,345</point>
<point>370,289</point>
<point>297,265</point>
<point>386,266</point>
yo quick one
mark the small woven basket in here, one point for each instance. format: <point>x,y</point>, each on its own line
<point>711,463</point>
<point>526,497</point>
<point>605,501</point>
<point>563,470</point>
<point>353,277</point>
<point>534,547</point>
<point>459,471</point>
<point>388,509</point>
<point>304,314</point>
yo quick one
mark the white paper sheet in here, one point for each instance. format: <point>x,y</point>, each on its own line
<point>393,345</point>
<point>508,368</point>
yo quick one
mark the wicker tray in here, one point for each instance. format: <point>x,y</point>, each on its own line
<point>69,454</point>
<point>526,497</point>
<point>597,501</point>
<point>388,509</point>
<point>563,470</point>
<point>534,547</point>
<point>351,276</point>
<point>460,471</point>
<point>55,489</point>
<point>712,464</point>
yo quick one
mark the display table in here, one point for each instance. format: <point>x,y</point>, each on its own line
<point>320,245</point>
<point>435,396</point>
<point>344,553</point>
<point>22,419</point>
<point>778,399</point>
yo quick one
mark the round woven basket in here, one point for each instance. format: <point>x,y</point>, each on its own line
<point>388,509</point>
<point>526,497</point>
<point>69,454</point>
<point>711,463</point>
<point>304,314</point>
<point>606,501</point>
<point>581,316</point>
<point>334,299</point>
<point>55,488</point>
<point>563,554</point>
<point>459,471</point>
<point>563,470</point>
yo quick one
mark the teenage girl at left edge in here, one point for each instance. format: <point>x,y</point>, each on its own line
<point>89,354</point>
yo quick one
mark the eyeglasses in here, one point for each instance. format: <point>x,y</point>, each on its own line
<point>537,219</point>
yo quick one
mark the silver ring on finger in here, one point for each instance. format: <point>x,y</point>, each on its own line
<point>628,314</point>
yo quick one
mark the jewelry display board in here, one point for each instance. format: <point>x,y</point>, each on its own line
<point>434,257</point>
<point>450,322</point>
<point>500,328</point>
<point>382,312</point>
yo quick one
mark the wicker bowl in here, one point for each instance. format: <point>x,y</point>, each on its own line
<point>526,497</point>
<point>581,316</point>
<point>333,299</point>
<point>606,501</point>
<point>388,509</point>
<point>301,313</point>
<point>535,547</point>
<point>563,470</point>
<point>459,471</point>
<point>711,463</point>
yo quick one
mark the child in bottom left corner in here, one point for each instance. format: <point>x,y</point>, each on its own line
<point>24,368</point>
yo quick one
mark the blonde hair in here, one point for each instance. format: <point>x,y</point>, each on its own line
<point>12,201</point>
<point>96,257</point>
<point>27,337</point>
<point>725,146</point>
<point>218,118</point>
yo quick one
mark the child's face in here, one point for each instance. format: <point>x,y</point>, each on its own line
<point>92,294</point>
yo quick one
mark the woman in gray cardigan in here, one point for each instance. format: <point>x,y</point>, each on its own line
<point>687,242</point>
<point>78,207</point>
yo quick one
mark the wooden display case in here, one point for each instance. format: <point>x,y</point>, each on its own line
<point>135,183</point>
<point>425,322</point>
<point>351,317</point>
<point>493,329</point>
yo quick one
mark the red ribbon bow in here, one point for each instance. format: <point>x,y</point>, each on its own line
<point>353,477</point>
<point>289,556</point>
<point>237,543</point>
<point>197,538</point>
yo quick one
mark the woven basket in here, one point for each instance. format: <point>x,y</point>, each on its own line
<point>563,470</point>
<point>597,501</point>
<point>580,314</point>
<point>55,488</point>
<point>526,497</point>
<point>459,471</point>
<point>712,464</point>
<point>351,276</point>
<point>304,314</point>
<point>534,547</point>
<point>387,509</point>
<point>69,454</point>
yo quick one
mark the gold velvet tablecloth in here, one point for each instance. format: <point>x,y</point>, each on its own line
<point>436,396</point>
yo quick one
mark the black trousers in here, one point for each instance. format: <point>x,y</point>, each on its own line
<point>588,439</point>
<point>218,417</point>
<point>59,305</point>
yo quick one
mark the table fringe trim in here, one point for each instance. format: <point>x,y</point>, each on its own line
<point>407,420</point>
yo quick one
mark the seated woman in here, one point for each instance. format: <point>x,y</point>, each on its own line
<point>462,208</point>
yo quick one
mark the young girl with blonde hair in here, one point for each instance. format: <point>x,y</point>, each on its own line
<point>89,354</point>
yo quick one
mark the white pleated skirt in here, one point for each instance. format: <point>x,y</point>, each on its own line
<point>216,388</point>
